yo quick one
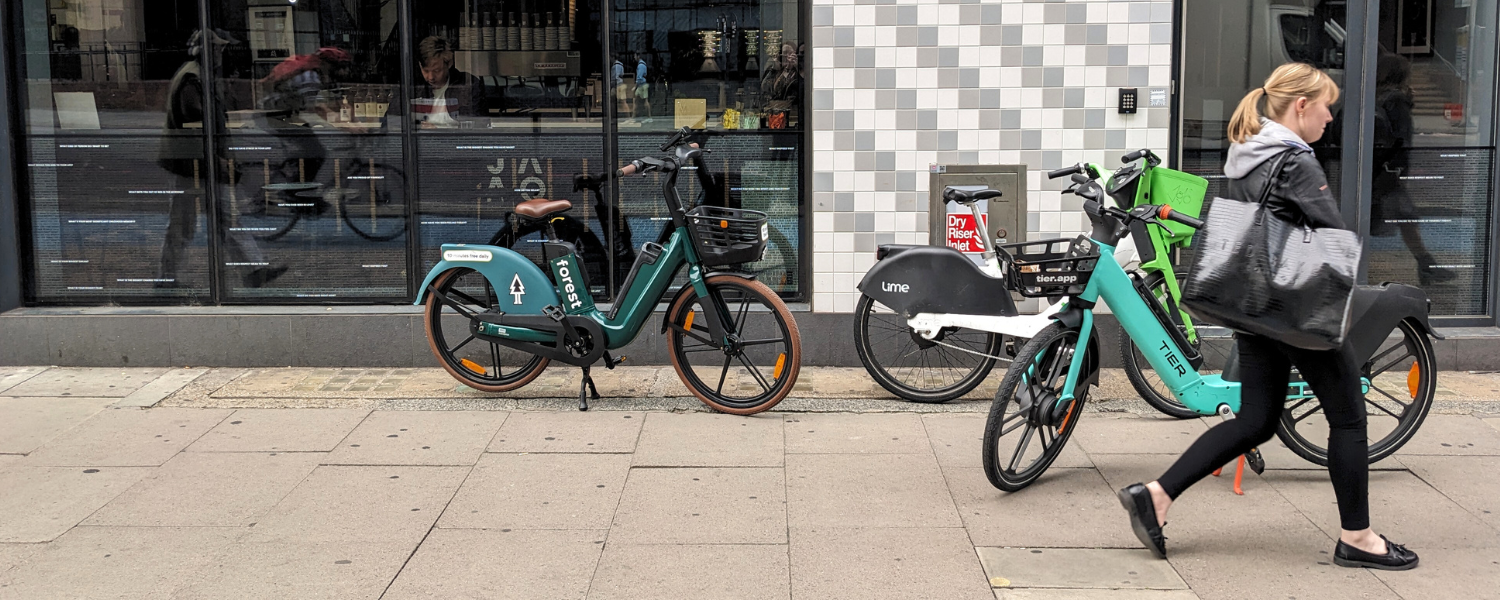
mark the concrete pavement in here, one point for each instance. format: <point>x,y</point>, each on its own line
<point>324,483</point>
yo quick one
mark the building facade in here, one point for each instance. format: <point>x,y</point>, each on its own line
<point>318,152</point>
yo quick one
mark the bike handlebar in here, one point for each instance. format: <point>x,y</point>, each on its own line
<point>1065,171</point>
<point>1167,213</point>
<point>629,169</point>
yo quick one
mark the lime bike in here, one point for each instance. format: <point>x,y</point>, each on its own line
<point>1042,397</point>
<point>495,320</point>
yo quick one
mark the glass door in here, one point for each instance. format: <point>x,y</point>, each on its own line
<point>1432,182</point>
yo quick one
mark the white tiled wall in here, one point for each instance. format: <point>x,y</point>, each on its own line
<point>902,84</point>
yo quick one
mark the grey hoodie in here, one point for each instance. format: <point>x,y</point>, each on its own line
<point>1273,139</point>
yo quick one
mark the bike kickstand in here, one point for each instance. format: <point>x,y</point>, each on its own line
<point>584,388</point>
<point>1239,474</point>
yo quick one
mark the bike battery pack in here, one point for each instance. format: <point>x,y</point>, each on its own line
<point>648,256</point>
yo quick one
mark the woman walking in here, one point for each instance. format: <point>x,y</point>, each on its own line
<point>1296,99</point>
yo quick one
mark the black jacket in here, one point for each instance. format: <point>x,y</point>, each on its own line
<point>1300,195</point>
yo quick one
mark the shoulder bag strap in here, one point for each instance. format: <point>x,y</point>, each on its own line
<point>1265,193</point>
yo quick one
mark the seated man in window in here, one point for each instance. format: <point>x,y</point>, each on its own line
<point>445,93</point>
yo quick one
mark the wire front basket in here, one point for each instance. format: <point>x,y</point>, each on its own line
<point>1050,268</point>
<point>727,236</point>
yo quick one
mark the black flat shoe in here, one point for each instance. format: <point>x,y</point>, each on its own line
<point>1396,557</point>
<point>1137,502</point>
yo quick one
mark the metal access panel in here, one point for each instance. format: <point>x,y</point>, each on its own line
<point>1006,214</point>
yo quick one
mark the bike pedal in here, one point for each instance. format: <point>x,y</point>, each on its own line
<point>554,312</point>
<point>611,362</point>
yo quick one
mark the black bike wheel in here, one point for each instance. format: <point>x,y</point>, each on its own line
<point>1027,407</point>
<point>1403,381</point>
<point>917,369</point>
<point>375,211</point>
<point>1140,373</point>
<point>755,372</point>
<point>484,366</point>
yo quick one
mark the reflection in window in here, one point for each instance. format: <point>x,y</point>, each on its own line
<point>508,65</point>
<point>113,162</point>
<point>731,66</point>
<point>311,178</point>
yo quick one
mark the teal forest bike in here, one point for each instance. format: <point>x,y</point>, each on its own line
<point>1042,397</point>
<point>495,320</point>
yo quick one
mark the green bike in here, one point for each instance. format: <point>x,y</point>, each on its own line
<point>495,320</point>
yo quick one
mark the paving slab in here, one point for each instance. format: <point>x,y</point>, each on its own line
<point>13,376</point>
<point>117,562</point>
<point>127,437</point>
<point>1077,594</point>
<point>489,563</point>
<point>9,459</point>
<point>876,490</point>
<point>653,572</point>
<point>40,503</point>
<point>539,491</point>
<point>1468,481</point>
<point>13,555</point>
<point>27,423</point>
<point>1080,568</point>
<point>361,503</point>
<point>1394,498</point>
<point>569,431</point>
<point>307,568</point>
<point>1453,435</point>
<point>844,433</point>
<point>1493,422</point>
<point>200,489</point>
<point>721,505</point>
<point>908,563</point>
<point>281,430</point>
<point>1066,508</point>
<point>86,382</point>
<point>958,441</point>
<point>1448,574</point>
<point>410,437</point>
<point>1137,435</point>
<point>711,440</point>
<point>161,387</point>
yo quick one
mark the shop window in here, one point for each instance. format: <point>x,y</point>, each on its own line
<point>113,162</point>
<point>311,173</point>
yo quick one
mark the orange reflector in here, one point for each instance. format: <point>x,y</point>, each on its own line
<point>1414,379</point>
<point>723,224</point>
<point>471,365</point>
<point>780,363</point>
<point>688,324</point>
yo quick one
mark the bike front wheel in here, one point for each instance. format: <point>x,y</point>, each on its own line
<point>1028,424</point>
<point>915,368</point>
<point>759,366</point>
<point>1403,381</point>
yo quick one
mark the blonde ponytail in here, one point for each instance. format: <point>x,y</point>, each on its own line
<point>1285,85</point>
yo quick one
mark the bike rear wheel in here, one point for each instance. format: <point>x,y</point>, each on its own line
<point>1403,380</point>
<point>1027,426</point>
<point>484,366</point>
<point>917,369</point>
<point>755,372</point>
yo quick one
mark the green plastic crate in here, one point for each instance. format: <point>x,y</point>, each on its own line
<point>1184,193</point>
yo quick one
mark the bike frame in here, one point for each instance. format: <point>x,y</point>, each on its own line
<point>571,293</point>
<point>1204,394</point>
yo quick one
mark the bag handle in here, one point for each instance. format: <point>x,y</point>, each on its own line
<point>1265,193</point>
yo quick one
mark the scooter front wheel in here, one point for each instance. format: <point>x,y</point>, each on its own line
<point>759,366</point>
<point>915,368</point>
<point>484,366</point>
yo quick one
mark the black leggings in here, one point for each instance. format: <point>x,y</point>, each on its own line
<point>1265,369</point>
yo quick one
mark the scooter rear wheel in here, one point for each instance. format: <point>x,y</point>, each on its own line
<point>917,369</point>
<point>484,366</point>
